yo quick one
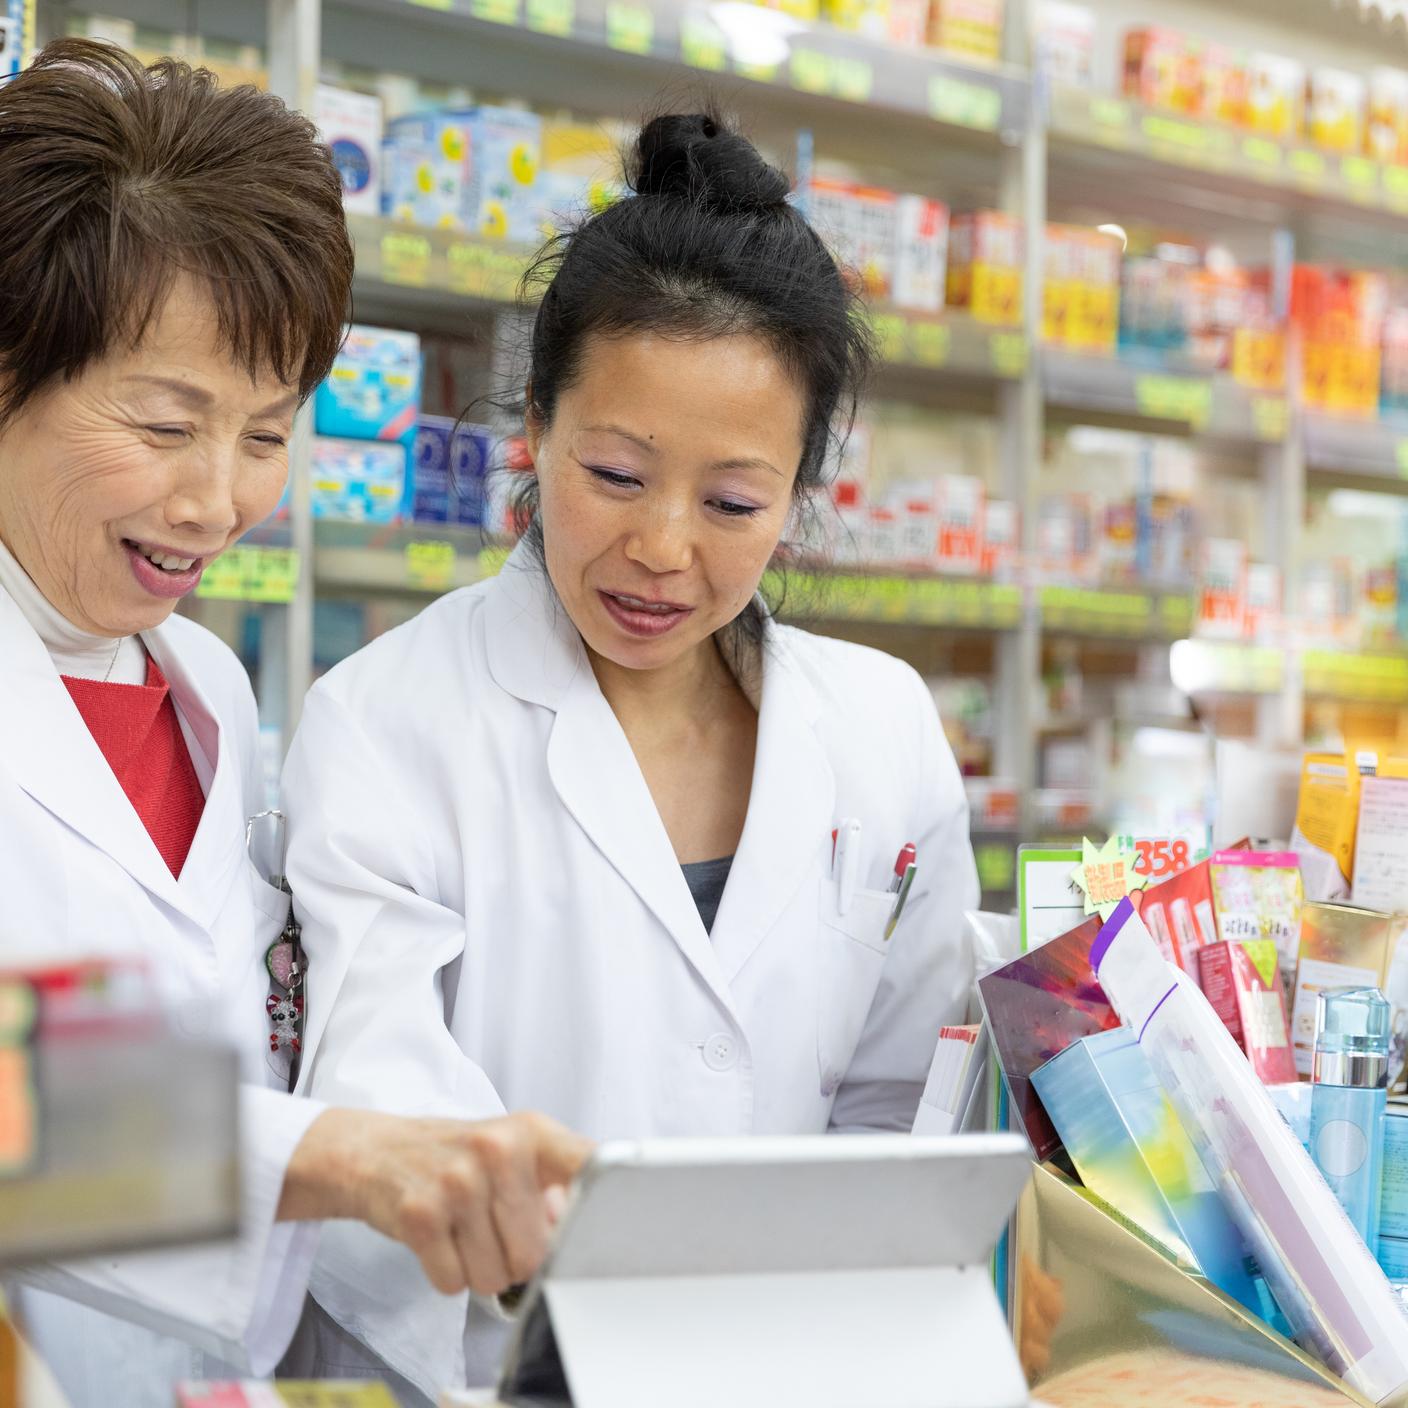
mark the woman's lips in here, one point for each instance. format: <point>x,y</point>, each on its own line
<point>161,581</point>
<point>641,618</point>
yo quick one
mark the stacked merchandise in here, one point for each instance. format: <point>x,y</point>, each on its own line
<point>1165,1049</point>
<point>971,28</point>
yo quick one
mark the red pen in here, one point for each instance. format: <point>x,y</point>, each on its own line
<point>902,863</point>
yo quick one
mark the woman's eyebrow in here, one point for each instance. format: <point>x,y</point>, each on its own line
<point>648,446</point>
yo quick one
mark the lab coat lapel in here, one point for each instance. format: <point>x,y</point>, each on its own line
<point>210,863</point>
<point>536,654</point>
<point>46,747</point>
<point>787,835</point>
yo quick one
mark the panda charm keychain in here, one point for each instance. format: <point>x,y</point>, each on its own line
<point>266,835</point>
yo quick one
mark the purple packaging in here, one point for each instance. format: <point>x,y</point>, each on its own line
<point>450,462</point>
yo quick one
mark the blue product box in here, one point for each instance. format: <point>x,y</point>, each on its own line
<point>1393,1258</point>
<point>358,481</point>
<point>450,465</point>
<point>373,390</point>
<point>1393,1215</point>
<point>13,38</point>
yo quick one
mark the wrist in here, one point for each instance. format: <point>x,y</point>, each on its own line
<point>325,1177</point>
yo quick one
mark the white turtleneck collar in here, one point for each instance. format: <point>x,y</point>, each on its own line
<point>73,652</point>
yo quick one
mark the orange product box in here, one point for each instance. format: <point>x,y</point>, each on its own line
<point>1275,95</point>
<point>960,503</point>
<point>1334,109</point>
<point>1179,914</point>
<point>1163,69</point>
<point>985,266</point>
<point>972,27</point>
<point>1226,85</point>
<point>1259,358</point>
<point>859,224</point>
<point>1386,117</point>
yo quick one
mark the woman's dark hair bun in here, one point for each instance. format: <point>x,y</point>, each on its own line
<point>697,157</point>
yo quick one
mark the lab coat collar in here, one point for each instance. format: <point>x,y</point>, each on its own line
<point>536,654</point>
<point>47,749</point>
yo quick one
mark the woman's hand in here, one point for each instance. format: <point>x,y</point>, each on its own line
<point>474,1201</point>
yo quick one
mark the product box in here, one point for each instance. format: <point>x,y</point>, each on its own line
<point>1275,93</point>
<point>908,23</point>
<point>1393,1258</point>
<point>1065,42</point>
<point>1179,914</point>
<point>12,36</point>
<point>358,481</point>
<point>1334,109</point>
<point>373,390</point>
<point>580,173</point>
<point>1226,81</point>
<point>1259,895</point>
<point>860,225</point>
<point>960,515</point>
<point>1327,821</point>
<point>1222,589</point>
<point>985,266</point>
<point>1130,1149</point>
<point>1263,617</point>
<point>1393,1207</point>
<point>808,10</point>
<point>1036,1006</point>
<point>1343,946</point>
<point>1259,358</point>
<point>868,17</point>
<point>450,465</point>
<point>287,1393</point>
<point>1292,1100</point>
<point>1243,983</point>
<point>1064,268</point>
<point>1001,539</point>
<point>1163,69</point>
<point>971,27</point>
<point>1393,372</point>
<point>1386,120</point>
<point>1097,311</point>
<point>473,169</point>
<point>921,253</point>
<point>350,124</point>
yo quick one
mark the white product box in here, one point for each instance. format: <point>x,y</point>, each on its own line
<point>921,253</point>
<point>350,123</point>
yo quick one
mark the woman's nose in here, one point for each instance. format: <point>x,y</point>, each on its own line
<point>204,497</point>
<point>661,543</point>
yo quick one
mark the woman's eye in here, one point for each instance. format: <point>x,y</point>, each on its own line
<point>731,509</point>
<point>166,430</point>
<point>274,442</point>
<point>616,479</point>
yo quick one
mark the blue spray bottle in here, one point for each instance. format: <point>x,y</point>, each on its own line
<point>1347,1106</point>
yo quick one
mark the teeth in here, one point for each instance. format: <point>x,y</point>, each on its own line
<point>635,604</point>
<point>167,562</point>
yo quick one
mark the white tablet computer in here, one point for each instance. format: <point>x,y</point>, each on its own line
<point>833,1272</point>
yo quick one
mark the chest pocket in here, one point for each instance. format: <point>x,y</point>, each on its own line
<point>851,955</point>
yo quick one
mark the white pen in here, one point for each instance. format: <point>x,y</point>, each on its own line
<point>847,863</point>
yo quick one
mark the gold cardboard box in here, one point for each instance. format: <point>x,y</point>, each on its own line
<point>1104,1317</point>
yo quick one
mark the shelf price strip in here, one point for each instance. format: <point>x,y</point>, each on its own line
<point>964,104</point>
<point>479,271</point>
<point>702,44</point>
<point>630,28</point>
<point>405,258</point>
<point>430,566</point>
<point>255,574</point>
<point>1174,398</point>
<point>556,17</point>
<point>495,11</point>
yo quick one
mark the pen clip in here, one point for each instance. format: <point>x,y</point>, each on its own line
<point>901,899</point>
<point>266,840</point>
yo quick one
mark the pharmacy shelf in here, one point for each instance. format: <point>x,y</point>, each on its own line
<point>1374,451</point>
<point>1228,667</point>
<point>1133,614</point>
<point>815,65</point>
<point>1163,398</point>
<point>1344,676</point>
<point>434,278</point>
<point>1353,678</point>
<point>1149,145</point>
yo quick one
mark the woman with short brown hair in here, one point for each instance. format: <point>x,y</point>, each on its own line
<point>175,272</point>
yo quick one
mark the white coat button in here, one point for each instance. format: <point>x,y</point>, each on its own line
<point>721,1052</point>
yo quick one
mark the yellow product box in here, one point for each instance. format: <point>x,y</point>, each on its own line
<point>808,10</point>
<point>1275,93</point>
<point>1061,287</point>
<point>1097,318</point>
<point>1354,381</point>
<point>1259,358</point>
<point>1226,82</point>
<point>985,267</point>
<point>1386,121</point>
<point>972,27</point>
<point>1327,818</point>
<point>868,17</point>
<point>1163,68</point>
<point>580,172</point>
<point>1334,109</point>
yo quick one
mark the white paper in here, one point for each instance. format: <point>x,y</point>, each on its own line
<point>1381,853</point>
<point>1052,903</point>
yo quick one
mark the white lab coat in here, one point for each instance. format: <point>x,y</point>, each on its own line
<point>495,918</point>
<point>79,875</point>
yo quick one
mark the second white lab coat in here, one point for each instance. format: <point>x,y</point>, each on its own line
<point>495,918</point>
<point>79,877</point>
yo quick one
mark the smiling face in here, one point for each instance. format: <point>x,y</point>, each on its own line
<point>665,483</point>
<point>119,487</point>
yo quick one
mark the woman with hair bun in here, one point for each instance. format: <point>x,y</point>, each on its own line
<point>616,843</point>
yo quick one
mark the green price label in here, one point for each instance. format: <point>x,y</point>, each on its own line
<point>1262,152</point>
<point>630,28</point>
<point>1009,354</point>
<point>1400,451</point>
<point>495,11</point>
<point>1359,173</point>
<point>812,72</point>
<point>889,336</point>
<point>702,44</point>
<point>853,80</point>
<point>964,104</point>
<point>480,271</point>
<point>997,866</point>
<point>759,73</point>
<point>435,4</point>
<point>430,566</point>
<point>555,17</point>
<point>930,342</point>
<point>1307,165</point>
<point>1110,112</point>
<point>1270,418</point>
<point>265,575</point>
<point>405,258</point>
<point>1395,180</point>
<point>1188,137</point>
<point>1175,398</point>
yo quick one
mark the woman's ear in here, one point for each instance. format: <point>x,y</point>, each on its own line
<point>532,424</point>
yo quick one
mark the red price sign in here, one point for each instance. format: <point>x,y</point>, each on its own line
<point>1160,859</point>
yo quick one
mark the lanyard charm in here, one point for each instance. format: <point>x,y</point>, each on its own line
<point>266,835</point>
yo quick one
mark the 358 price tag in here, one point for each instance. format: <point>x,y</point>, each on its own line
<point>1157,860</point>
